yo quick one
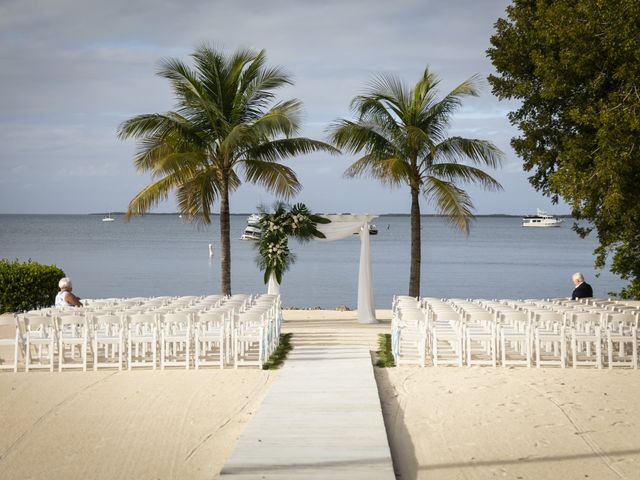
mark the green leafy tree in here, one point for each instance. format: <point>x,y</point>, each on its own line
<point>401,133</point>
<point>573,65</point>
<point>227,125</point>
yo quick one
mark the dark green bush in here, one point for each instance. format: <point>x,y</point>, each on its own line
<point>26,286</point>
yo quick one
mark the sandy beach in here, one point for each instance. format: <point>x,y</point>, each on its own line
<point>444,423</point>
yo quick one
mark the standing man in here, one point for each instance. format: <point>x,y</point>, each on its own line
<point>583,289</point>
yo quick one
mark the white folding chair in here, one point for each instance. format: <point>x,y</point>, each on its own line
<point>10,341</point>
<point>107,340</point>
<point>409,336</point>
<point>514,332</point>
<point>249,339</point>
<point>550,339</point>
<point>622,340</point>
<point>175,340</point>
<point>480,337</point>
<point>209,333</point>
<point>447,338</point>
<point>586,339</point>
<point>73,332</point>
<point>142,338</point>
<point>40,342</point>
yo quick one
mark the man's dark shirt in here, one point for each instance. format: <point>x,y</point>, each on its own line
<point>583,290</point>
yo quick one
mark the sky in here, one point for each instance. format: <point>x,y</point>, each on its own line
<point>72,70</point>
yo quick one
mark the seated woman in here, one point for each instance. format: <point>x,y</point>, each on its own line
<point>65,298</point>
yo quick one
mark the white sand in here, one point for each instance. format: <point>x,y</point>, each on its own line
<point>481,422</point>
<point>126,425</point>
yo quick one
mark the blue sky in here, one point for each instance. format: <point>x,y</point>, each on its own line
<point>72,70</point>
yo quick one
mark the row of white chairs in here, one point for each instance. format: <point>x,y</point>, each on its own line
<point>238,330</point>
<point>508,332</point>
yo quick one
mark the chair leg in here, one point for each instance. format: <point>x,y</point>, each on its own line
<point>60,355</point>
<point>129,353</point>
<point>186,354</point>
<point>197,352</point>
<point>163,352</point>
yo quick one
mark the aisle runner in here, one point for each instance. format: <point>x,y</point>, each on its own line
<point>320,420</point>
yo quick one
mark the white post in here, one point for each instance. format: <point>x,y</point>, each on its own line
<point>273,287</point>
<point>366,305</point>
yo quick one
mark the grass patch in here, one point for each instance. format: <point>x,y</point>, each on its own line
<point>385,357</point>
<point>278,357</point>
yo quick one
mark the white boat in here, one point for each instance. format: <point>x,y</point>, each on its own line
<point>541,219</point>
<point>373,230</point>
<point>108,218</point>
<point>254,219</point>
<point>251,232</point>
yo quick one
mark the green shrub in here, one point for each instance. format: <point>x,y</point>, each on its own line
<point>385,357</point>
<point>278,357</point>
<point>27,286</point>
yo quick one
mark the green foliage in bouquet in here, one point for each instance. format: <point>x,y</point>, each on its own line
<point>273,248</point>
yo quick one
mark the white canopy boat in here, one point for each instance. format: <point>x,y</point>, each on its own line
<point>251,233</point>
<point>108,218</point>
<point>541,219</point>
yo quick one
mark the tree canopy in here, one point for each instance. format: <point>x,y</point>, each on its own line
<point>575,67</point>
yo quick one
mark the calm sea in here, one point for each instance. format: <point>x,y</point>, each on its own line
<point>163,255</point>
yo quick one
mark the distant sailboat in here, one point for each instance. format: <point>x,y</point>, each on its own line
<point>108,218</point>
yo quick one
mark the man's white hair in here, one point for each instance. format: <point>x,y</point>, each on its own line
<point>578,276</point>
<point>65,283</point>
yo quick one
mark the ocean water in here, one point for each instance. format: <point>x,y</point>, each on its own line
<point>163,255</point>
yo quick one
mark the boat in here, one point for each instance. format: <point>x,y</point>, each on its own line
<point>251,232</point>
<point>541,219</point>
<point>373,230</point>
<point>108,218</point>
<point>254,219</point>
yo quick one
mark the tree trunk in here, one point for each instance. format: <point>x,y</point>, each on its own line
<point>414,273</point>
<point>225,240</point>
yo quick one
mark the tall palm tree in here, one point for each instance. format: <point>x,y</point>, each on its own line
<point>226,124</point>
<point>402,136</point>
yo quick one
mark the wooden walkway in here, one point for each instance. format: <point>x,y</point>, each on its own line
<point>321,419</point>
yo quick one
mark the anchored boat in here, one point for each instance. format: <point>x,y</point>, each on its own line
<point>541,219</point>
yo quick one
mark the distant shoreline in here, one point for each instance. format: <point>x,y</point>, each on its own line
<point>381,215</point>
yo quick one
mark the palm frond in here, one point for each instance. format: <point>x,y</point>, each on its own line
<point>356,137</point>
<point>480,152</point>
<point>197,194</point>
<point>450,200</point>
<point>391,171</point>
<point>275,177</point>
<point>151,195</point>
<point>453,172</point>
<point>276,150</point>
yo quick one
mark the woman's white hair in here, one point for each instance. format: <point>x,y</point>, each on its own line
<point>578,276</point>
<point>65,283</point>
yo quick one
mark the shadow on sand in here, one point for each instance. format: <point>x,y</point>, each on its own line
<point>405,464</point>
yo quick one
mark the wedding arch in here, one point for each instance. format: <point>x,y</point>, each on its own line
<point>301,223</point>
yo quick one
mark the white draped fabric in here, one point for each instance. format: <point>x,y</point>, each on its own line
<point>343,226</point>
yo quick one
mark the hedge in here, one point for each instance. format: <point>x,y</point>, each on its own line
<point>27,286</point>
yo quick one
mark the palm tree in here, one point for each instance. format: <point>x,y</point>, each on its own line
<point>226,124</point>
<point>401,134</point>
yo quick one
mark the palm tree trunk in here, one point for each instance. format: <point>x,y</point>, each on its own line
<point>414,272</point>
<point>225,240</point>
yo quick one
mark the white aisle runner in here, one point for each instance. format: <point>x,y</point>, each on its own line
<point>321,419</point>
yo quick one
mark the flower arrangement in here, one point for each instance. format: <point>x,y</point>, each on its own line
<point>273,248</point>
